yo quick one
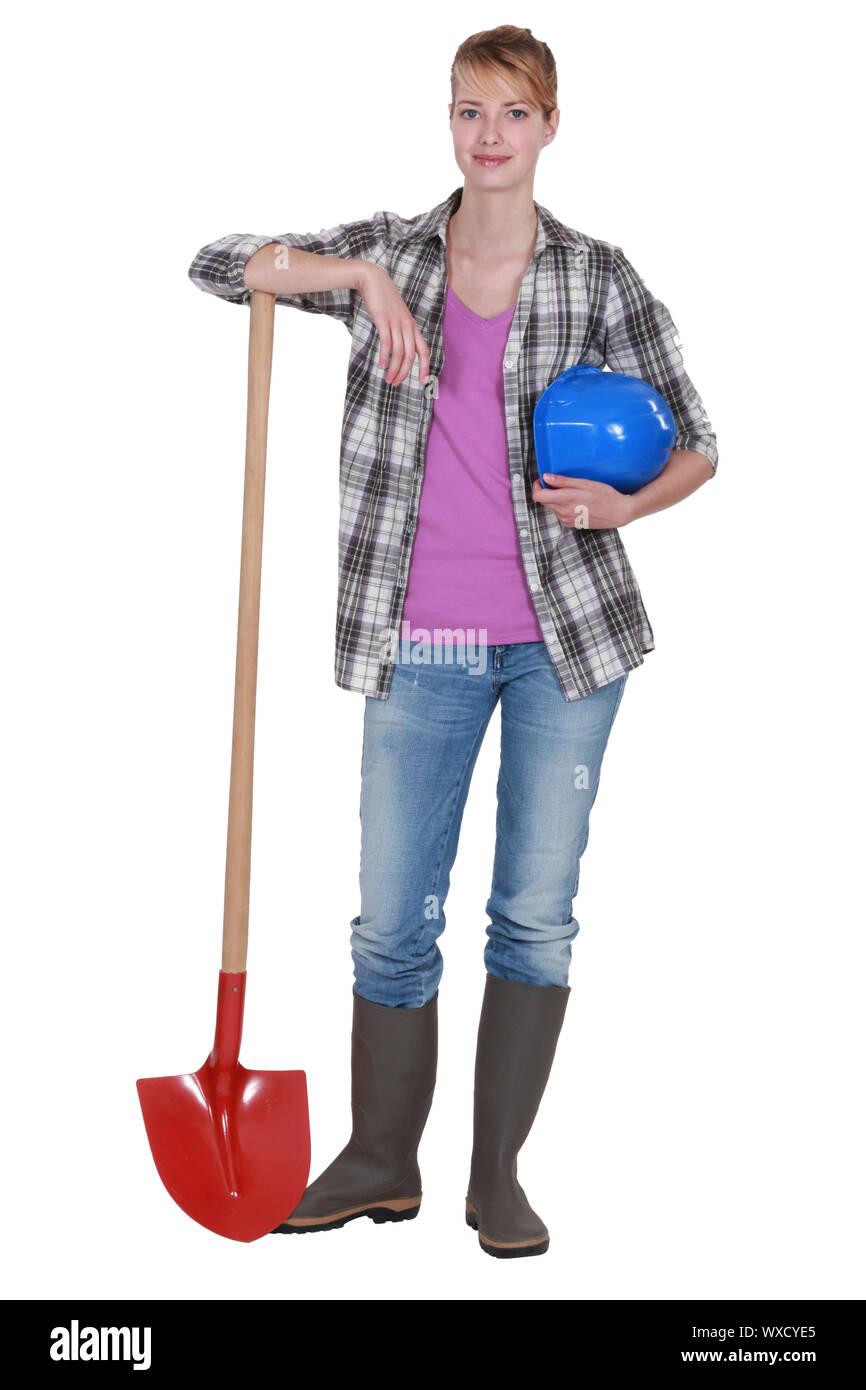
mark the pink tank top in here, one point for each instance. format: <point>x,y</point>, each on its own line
<point>466,571</point>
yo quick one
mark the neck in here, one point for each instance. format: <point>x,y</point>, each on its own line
<point>491,223</point>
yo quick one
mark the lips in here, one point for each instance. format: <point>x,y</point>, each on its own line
<point>492,159</point>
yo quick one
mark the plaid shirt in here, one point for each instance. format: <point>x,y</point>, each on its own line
<point>580,300</point>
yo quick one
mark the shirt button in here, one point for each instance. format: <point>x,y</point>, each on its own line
<point>508,363</point>
<point>515,477</point>
<point>533,586</point>
<point>524,532</point>
<point>512,420</point>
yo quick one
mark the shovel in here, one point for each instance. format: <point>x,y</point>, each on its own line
<point>232,1146</point>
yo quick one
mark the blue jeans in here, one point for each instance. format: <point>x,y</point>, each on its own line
<point>419,752</point>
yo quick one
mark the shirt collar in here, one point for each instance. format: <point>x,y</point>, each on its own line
<point>433,223</point>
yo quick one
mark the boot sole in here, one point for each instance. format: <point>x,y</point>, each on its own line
<point>401,1209</point>
<point>505,1250</point>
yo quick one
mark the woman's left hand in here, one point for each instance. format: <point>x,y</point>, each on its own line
<point>583,503</point>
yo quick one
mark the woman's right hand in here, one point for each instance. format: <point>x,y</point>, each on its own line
<point>399,335</point>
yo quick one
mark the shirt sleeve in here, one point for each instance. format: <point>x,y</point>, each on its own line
<point>642,340</point>
<point>219,267</point>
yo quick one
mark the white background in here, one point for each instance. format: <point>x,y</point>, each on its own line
<point>702,1133</point>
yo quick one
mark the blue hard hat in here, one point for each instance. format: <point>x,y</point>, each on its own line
<point>606,426</point>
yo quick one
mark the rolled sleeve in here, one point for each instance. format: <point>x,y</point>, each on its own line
<point>641,339</point>
<point>218,268</point>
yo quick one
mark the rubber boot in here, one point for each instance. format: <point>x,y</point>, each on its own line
<point>517,1036</point>
<point>394,1054</point>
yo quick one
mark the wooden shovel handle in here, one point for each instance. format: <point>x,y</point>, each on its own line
<point>236,916</point>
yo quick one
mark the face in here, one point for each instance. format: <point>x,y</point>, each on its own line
<point>497,140</point>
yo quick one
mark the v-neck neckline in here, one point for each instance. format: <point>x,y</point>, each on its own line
<point>470,313</point>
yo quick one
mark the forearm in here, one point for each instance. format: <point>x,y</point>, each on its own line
<point>280,269</point>
<point>685,471</point>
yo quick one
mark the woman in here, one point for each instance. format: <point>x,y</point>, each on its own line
<point>465,584</point>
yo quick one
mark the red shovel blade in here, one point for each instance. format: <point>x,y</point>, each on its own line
<point>232,1146</point>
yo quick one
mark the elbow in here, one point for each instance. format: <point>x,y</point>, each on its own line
<point>701,446</point>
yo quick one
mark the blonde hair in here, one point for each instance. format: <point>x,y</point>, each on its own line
<point>510,54</point>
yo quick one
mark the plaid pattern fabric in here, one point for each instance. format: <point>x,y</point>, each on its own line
<point>580,300</point>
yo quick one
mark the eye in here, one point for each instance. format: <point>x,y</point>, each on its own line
<point>471,111</point>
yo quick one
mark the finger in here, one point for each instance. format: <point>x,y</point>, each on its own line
<point>407,354</point>
<point>560,480</point>
<point>423,357</point>
<point>384,345</point>
<point>396,351</point>
<point>556,501</point>
<point>399,356</point>
<point>408,348</point>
